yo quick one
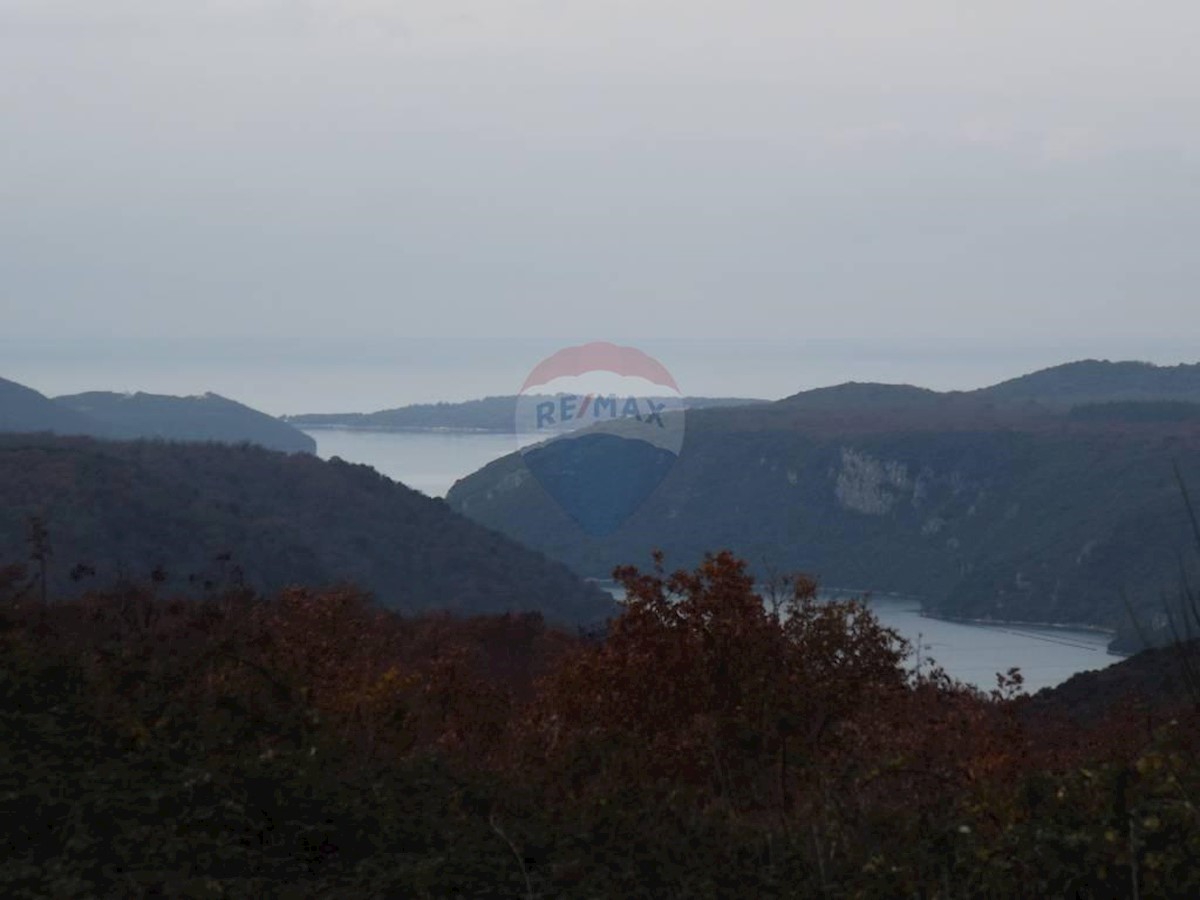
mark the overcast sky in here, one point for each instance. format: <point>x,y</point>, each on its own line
<point>909,178</point>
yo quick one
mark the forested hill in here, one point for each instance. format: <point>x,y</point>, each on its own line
<point>207,513</point>
<point>103,414</point>
<point>984,511</point>
<point>24,409</point>
<point>1048,391</point>
<point>1099,381</point>
<point>494,414</point>
<point>209,417</point>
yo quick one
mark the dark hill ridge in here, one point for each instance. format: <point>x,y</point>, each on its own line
<point>126,508</point>
<point>1055,389</point>
<point>1099,381</point>
<point>872,407</point>
<point>865,395</point>
<point>209,417</point>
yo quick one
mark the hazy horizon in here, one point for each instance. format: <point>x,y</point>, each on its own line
<point>925,193</point>
<point>281,378</point>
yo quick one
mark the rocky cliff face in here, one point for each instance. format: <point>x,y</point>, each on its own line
<point>870,486</point>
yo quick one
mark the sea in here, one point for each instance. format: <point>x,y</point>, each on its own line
<point>431,461</point>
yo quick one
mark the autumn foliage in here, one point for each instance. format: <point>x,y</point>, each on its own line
<point>718,740</point>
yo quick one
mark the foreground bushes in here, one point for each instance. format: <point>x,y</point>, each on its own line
<point>710,745</point>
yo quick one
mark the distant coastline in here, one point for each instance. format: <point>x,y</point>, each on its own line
<point>400,429</point>
<point>1004,624</point>
<point>985,622</point>
<point>486,415</point>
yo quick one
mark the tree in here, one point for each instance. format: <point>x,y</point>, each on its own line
<point>699,682</point>
<point>38,539</point>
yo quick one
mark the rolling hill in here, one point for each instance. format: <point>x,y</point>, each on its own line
<point>23,409</point>
<point>1099,381</point>
<point>104,414</point>
<point>209,417</point>
<point>208,514</point>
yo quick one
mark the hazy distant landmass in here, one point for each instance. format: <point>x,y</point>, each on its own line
<point>208,417</point>
<point>492,414</point>
<point>1047,498</point>
<point>103,414</point>
<point>125,509</point>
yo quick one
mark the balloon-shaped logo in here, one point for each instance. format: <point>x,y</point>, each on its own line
<point>600,426</point>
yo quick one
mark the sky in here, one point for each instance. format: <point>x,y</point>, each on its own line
<point>349,204</point>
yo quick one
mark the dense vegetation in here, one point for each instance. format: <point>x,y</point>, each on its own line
<point>201,515</point>
<point>715,744</point>
<point>123,416</point>
<point>983,509</point>
<point>495,414</point>
<point>1128,411</point>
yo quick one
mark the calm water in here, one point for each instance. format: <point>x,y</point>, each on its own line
<point>428,461</point>
<point>975,653</point>
<point>432,461</point>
